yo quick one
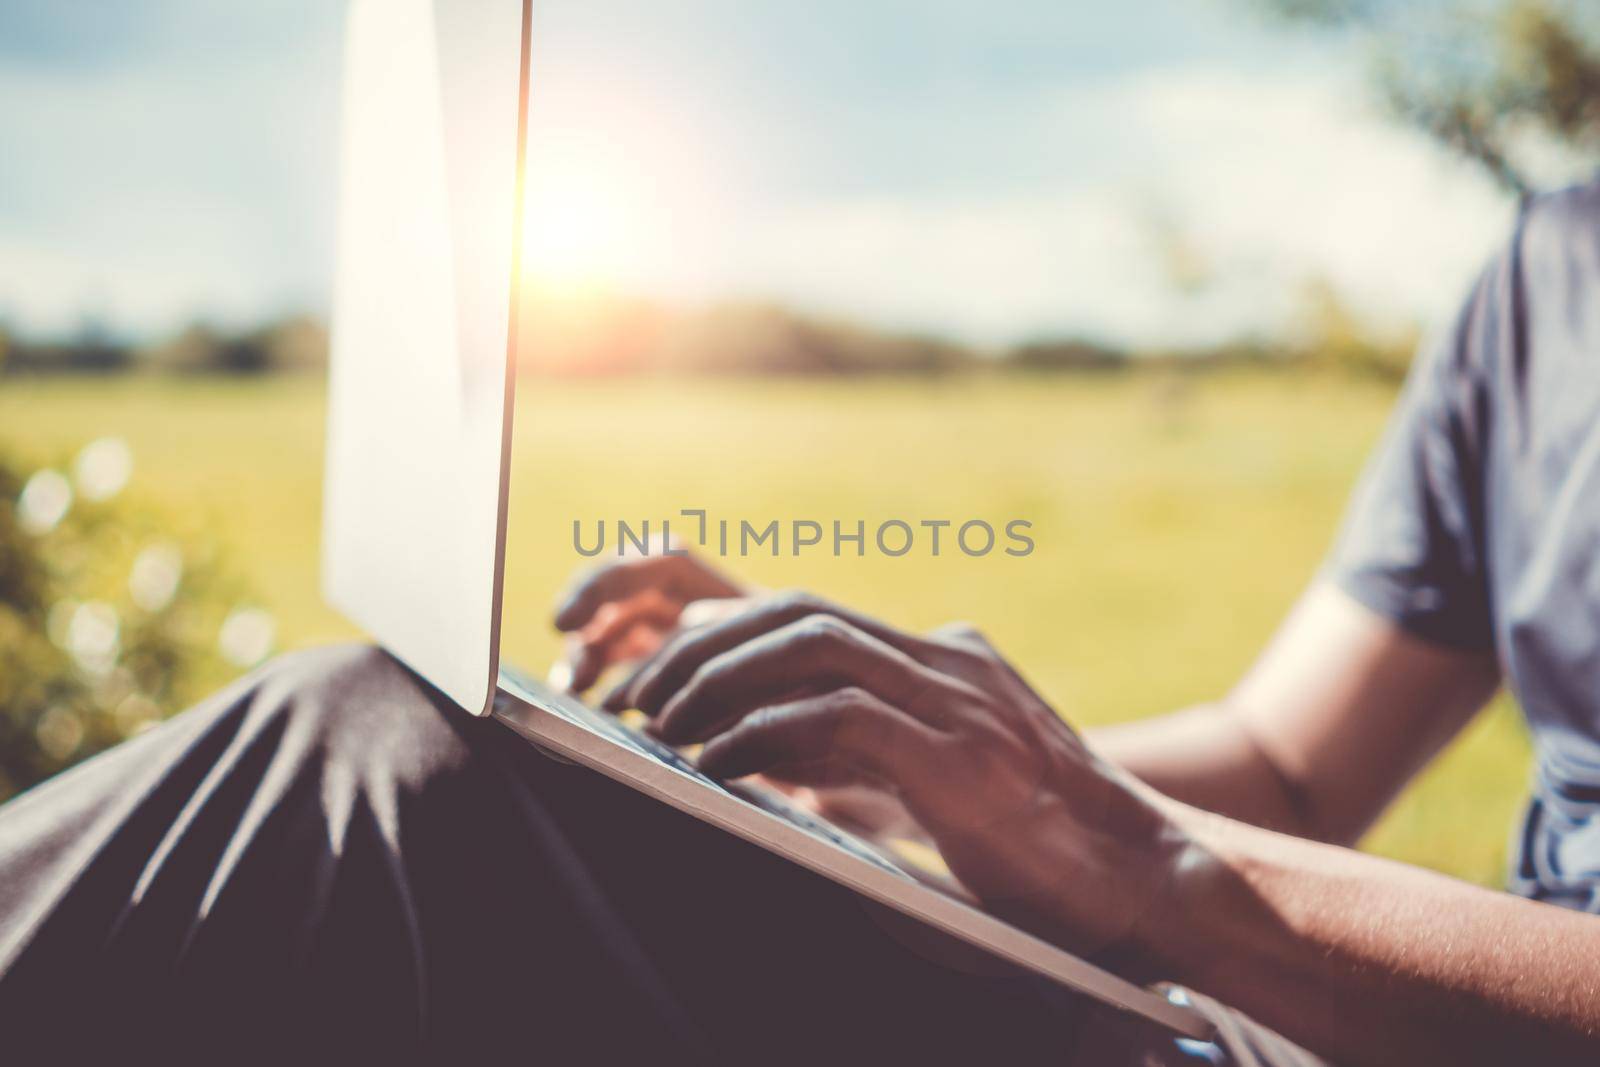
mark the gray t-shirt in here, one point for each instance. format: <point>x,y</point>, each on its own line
<point>1477,524</point>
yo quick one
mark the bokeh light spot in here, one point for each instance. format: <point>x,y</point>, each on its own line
<point>247,636</point>
<point>44,502</point>
<point>103,468</point>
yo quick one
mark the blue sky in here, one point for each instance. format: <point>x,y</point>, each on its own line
<point>992,169</point>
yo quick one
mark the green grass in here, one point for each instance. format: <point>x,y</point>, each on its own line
<point>1174,525</point>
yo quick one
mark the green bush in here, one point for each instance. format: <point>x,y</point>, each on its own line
<point>108,621</point>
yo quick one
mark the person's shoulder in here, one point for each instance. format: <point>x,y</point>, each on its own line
<point>1557,224</point>
<point>1547,259</point>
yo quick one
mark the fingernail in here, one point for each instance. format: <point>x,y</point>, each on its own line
<point>711,762</point>
<point>664,724</point>
<point>564,614</point>
<point>560,676</point>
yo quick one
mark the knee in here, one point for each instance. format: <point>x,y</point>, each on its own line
<point>354,704</point>
<point>340,679</point>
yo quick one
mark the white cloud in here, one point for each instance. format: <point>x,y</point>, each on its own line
<point>1274,179</point>
<point>1301,177</point>
<point>56,290</point>
<point>145,191</point>
<point>147,197</point>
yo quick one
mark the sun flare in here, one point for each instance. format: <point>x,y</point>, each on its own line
<point>574,237</point>
<point>617,190</point>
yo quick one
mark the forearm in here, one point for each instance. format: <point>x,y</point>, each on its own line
<point>1205,758</point>
<point>1334,718</point>
<point>1369,961</point>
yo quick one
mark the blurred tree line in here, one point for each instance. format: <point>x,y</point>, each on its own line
<point>295,342</point>
<point>610,335</point>
<point>607,335</point>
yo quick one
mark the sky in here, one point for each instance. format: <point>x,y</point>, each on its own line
<point>995,170</point>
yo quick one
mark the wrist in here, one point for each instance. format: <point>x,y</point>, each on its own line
<point>1199,900</point>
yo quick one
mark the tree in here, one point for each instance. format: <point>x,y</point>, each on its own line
<point>1066,354</point>
<point>202,349</point>
<point>108,621</point>
<point>1513,85</point>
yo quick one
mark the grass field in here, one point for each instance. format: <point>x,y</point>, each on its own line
<point>1174,525</point>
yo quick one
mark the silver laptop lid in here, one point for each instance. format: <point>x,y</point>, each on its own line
<point>423,330</point>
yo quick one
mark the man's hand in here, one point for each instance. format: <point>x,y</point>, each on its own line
<point>1026,817</point>
<point>620,612</point>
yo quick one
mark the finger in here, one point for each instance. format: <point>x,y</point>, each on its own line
<point>584,664</point>
<point>695,614</point>
<point>613,621</point>
<point>813,776</point>
<point>817,652</point>
<point>714,609</point>
<point>617,699</point>
<point>672,668</point>
<point>679,578</point>
<point>621,698</point>
<point>620,631</point>
<point>847,727</point>
<point>847,797</point>
<point>869,812</point>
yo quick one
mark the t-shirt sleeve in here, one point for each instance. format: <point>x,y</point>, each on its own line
<point>1413,543</point>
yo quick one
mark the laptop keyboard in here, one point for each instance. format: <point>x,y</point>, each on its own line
<point>769,801</point>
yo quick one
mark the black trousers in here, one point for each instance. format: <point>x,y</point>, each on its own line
<point>326,862</point>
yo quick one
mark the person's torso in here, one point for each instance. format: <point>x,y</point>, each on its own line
<point>1541,527</point>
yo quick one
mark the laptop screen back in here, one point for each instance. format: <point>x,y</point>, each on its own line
<point>420,389</point>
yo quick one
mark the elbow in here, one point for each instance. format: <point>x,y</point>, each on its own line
<point>1331,830</point>
<point>1300,805</point>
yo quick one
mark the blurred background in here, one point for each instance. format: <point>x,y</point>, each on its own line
<point>1146,274</point>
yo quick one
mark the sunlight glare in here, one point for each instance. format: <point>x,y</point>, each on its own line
<point>613,186</point>
<point>574,236</point>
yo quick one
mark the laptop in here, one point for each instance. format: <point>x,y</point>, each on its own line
<point>420,404</point>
